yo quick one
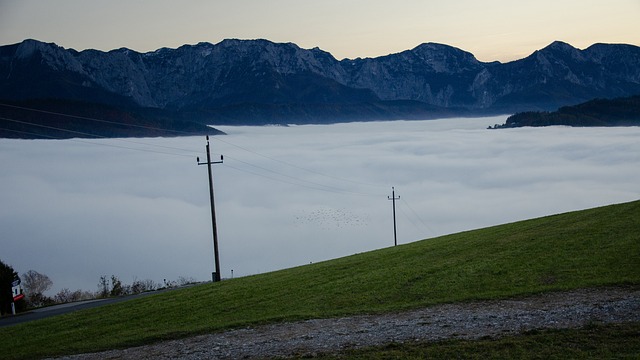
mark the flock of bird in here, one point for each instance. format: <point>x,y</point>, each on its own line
<point>328,218</point>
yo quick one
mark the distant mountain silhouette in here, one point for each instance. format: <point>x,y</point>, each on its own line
<point>599,112</point>
<point>260,82</point>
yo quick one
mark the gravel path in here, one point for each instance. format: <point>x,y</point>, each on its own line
<point>463,321</point>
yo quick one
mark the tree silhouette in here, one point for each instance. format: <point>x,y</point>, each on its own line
<point>7,276</point>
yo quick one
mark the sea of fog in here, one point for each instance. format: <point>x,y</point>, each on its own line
<point>288,196</point>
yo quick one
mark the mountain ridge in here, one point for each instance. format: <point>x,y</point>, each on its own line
<point>597,112</point>
<point>261,82</point>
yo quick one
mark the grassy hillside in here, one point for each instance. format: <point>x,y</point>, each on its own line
<point>580,249</point>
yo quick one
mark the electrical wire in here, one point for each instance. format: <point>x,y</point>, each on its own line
<point>29,133</point>
<point>319,187</point>
<point>178,132</point>
<point>296,166</point>
<point>95,136</point>
<point>96,120</point>
<point>408,218</point>
<point>323,186</point>
<point>417,216</point>
<point>326,187</point>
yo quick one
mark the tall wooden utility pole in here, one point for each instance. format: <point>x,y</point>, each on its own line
<point>394,198</point>
<point>216,275</point>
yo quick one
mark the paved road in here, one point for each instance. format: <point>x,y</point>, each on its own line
<point>65,308</point>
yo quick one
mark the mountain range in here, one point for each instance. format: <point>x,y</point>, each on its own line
<point>262,82</point>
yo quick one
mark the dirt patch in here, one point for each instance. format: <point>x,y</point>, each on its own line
<point>471,320</point>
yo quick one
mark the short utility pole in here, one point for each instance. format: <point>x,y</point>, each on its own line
<point>216,275</point>
<point>394,198</point>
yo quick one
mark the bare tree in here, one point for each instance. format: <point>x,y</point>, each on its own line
<point>182,281</point>
<point>116,286</point>
<point>103,287</point>
<point>82,295</point>
<point>65,296</point>
<point>140,286</point>
<point>34,285</point>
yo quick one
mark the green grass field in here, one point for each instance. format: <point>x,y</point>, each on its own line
<point>590,248</point>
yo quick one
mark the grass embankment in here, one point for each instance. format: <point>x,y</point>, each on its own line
<point>588,248</point>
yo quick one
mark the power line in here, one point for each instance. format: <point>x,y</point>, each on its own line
<point>48,127</point>
<point>408,218</point>
<point>177,132</point>
<point>324,188</point>
<point>30,133</point>
<point>418,216</point>
<point>168,130</point>
<point>318,186</point>
<point>86,134</point>
<point>321,187</point>
<point>98,137</point>
<point>296,166</point>
<point>96,120</point>
<point>184,150</point>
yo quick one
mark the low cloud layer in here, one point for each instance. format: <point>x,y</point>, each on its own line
<point>288,196</point>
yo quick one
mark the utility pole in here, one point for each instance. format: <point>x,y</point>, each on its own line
<point>216,275</point>
<point>394,198</point>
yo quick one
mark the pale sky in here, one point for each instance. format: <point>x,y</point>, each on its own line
<point>501,30</point>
